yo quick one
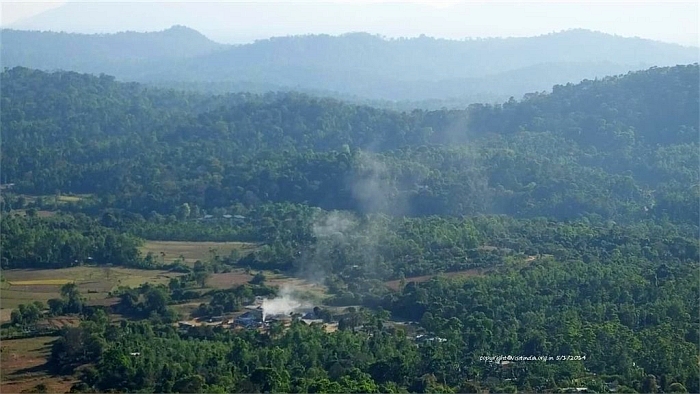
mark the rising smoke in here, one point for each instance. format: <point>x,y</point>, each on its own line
<point>285,303</point>
<point>376,187</point>
<point>398,184</point>
<point>332,232</point>
<point>344,236</point>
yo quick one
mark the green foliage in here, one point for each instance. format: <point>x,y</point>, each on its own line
<point>562,155</point>
<point>147,301</point>
<point>575,212</point>
<point>78,345</point>
<point>677,388</point>
<point>71,301</point>
<point>605,311</point>
<point>27,314</point>
<point>65,241</point>
<point>247,362</point>
<point>231,300</point>
<point>258,279</point>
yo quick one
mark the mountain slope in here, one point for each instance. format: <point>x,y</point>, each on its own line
<point>622,147</point>
<point>429,59</point>
<point>127,53</point>
<point>356,64</point>
<point>426,68</point>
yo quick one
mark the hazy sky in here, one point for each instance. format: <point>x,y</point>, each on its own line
<point>236,21</point>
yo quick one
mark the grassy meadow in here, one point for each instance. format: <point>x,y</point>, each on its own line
<point>193,251</point>
<point>21,286</point>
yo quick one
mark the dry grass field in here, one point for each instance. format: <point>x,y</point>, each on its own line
<point>193,251</point>
<point>313,290</point>
<point>239,277</point>
<point>24,286</point>
<point>521,261</point>
<point>72,198</point>
<point>63,198</point>
<point>41,214</point>
<point>228,279</point>
<point>58,282</point>
<point>21,361</point>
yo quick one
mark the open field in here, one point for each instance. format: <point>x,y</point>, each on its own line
<point>395,284</point>
<point>41,214</point>
<point>23,286</point>
<point>75,198</point>
<point>239,277</point>
<point>228,279</point>
<point>193,251</point>
<point>187,308</point>
<point>22,361</point>
<point>63,198</point>
<point>330,327</point>
<point>40,282</point>
<point>313,290</point>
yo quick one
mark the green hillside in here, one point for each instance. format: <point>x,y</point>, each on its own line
<point>561,230</point>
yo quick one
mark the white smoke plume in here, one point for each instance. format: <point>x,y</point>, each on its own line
<point>335,225</point>
<point>331,230</point>
<point>344,236</point>
<point>284,304</point>
<point>374,187</point>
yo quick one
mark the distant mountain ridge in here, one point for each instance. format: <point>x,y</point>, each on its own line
<point>100,52</point>
<point>358,64</point>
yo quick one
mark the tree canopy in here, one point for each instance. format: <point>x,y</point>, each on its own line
<point>563,225</point>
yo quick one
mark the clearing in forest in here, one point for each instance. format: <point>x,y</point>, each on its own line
<point>474,272</point>
<point>41,214</point>
<point>169,251</point>
<point>226,280</point>
<point>302,286</point>
<point>239,277</point>
<point>395,284</point>
<point>22,286</point>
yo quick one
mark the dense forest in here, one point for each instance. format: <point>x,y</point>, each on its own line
<point>578,209</point>
<point>622,148</point>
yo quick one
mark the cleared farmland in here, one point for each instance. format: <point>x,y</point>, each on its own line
<point>169,251</point>
<point>239,277</point>
<point>59,282</point>
<point>395,284</point>
<point>22,286</point>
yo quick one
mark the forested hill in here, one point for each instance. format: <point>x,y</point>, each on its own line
<point>591,269</point>
<point>125,54</point>
<point>356,64</point>
<point>623,148</point>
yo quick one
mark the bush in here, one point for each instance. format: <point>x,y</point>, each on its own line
<point>258,279</point>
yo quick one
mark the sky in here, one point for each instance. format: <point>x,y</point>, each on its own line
<point>239,22</point>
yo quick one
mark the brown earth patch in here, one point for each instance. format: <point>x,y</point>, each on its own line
<point>228,279</point>
<point>22,361</point>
